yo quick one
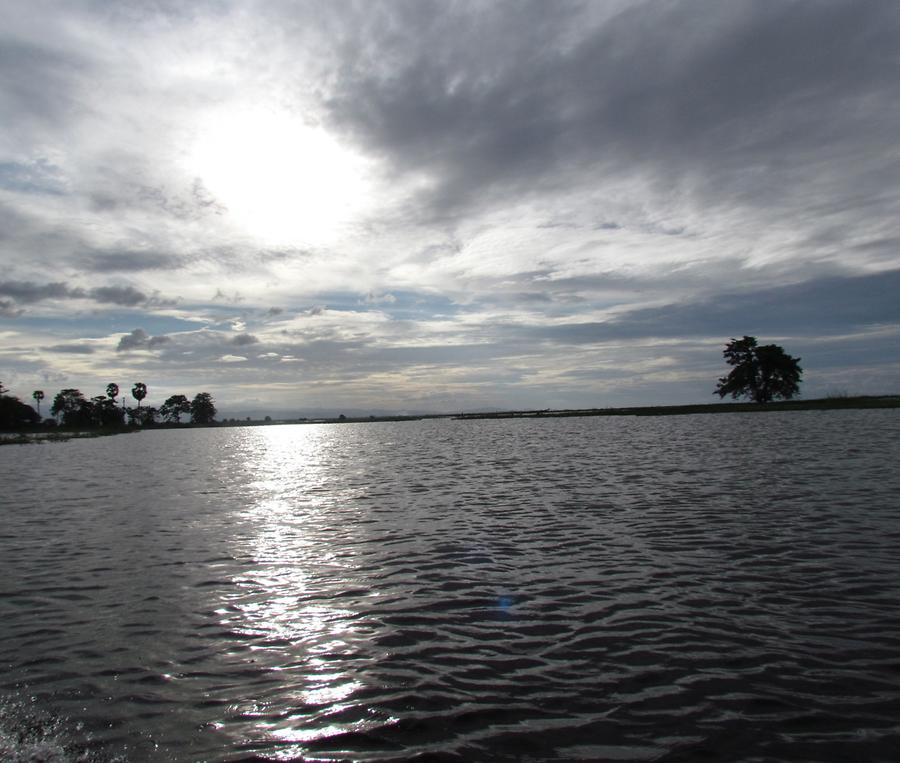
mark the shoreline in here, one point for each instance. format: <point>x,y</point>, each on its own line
<point>32,437</point>
<point>816,404</point>
<point>26,437</point>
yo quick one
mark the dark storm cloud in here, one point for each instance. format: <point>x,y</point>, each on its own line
<point>243,340</point>
<point>752,97</point>
<point>118,295</point>
<point>128,296</point>
<point>822,306</point>
<point>28,292</point>
<point>141,340</point>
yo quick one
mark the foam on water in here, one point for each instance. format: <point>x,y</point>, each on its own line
<point>29,734</point>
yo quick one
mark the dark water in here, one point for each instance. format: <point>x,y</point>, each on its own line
<point>685,588</point>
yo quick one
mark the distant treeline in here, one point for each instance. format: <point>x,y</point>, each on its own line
<point>70,408</point>
<point>839,402</point>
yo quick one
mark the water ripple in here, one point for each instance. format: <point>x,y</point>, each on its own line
<point>697,587</point>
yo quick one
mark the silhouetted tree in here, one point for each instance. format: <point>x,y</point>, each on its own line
<point>761,373</point>
<point>14,414</point>
<point>112,391</point>
<point>105,413</point>
<point>38,395</point>
<point>174,406</point>
<point>96,409</point>
<point>203,411</point>
<point>144,417</point>
<point>139,392</point>
<point>72,408</point>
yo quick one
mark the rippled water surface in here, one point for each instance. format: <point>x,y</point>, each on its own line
<point>683,588</point>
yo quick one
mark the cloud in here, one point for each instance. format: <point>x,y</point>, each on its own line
<point>819,307</point>
<point>133,261</point>
<point>561,194</point>
<point>732,97</point>
<point>380,299</point>
<point>36,82</point>
<point>118,295</point>
<point>195,204</point>
<point>74,349</point>
<point>140,340</point>
<point>27,292</point>
<point>9,310</point>
<point>235,297</point>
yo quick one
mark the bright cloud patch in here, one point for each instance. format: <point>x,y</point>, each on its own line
<point>281,180</point>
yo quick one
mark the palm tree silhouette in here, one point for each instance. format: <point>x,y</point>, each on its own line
<point>139,392</point>
<point>38,395</point>
<point>112,390</point>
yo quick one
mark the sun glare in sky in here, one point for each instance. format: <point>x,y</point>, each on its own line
<point>282,181</point>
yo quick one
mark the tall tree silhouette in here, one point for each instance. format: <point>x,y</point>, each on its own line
<point>71,406</point>
<point>14,413</point>
<point>112,391</point>
<point>38,395</point>
<point>174,406</point>
<point>203,410</point>
<point>139,392</point>
<point>761,373</point>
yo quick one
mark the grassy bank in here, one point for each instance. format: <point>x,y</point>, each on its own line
<point>820,404</point>
<point>32,436</point>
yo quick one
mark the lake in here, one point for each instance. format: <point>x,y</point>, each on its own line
<point>708,587</point>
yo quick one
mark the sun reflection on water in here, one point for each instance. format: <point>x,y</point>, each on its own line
<point>284,601</point>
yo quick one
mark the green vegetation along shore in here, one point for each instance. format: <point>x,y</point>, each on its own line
<point>817,404</point>
<point>33,435</point>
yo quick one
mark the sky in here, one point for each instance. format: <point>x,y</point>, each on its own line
<point>422,206</point>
